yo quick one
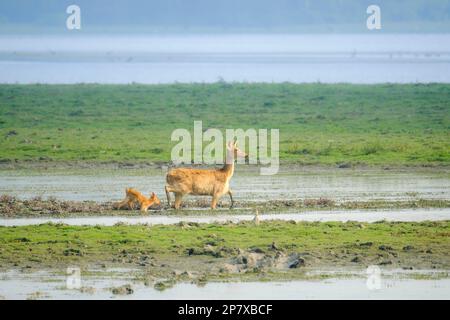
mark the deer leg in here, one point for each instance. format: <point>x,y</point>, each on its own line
<point>144,207</point>
<point>214,201</point>
<point>178,197</point>
<point>168,196</point>
<point>230,193</point>
<point>130,205</point>
<point>121,204</point>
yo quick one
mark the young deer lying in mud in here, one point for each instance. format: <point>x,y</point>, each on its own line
<point>133,196</point>
<point>211,182</point>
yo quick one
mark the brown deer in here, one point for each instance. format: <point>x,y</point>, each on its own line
<point>206,182</point>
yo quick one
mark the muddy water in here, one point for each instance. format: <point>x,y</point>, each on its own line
<point>409,215</point>
<point>336,184</point>
<point>390,285</point>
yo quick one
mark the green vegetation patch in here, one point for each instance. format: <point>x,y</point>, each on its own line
<point>319,124</point>
<point>418,245</point>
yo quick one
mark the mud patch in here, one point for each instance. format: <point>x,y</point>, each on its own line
<point>11,206</point>
<point>257,260</point>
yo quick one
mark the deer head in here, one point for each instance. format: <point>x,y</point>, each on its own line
<point>234,152</point>
<point>154,199</point>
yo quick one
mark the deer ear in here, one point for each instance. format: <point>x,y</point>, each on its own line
<point>235,143</point>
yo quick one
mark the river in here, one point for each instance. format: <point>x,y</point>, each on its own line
<point>297,58</point>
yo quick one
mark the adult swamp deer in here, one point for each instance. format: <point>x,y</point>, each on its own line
<point>205,182</point>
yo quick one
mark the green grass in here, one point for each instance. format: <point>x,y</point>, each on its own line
<point>50,244</point>
<point>319,124</point>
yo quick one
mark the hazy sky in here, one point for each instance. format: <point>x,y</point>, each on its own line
<point>225,15</point>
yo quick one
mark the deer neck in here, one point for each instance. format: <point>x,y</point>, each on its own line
<point>228,167</point>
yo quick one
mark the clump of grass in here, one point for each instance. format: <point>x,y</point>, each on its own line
<point>371,149</point>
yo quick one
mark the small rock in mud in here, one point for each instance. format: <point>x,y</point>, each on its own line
<point>366,244</point>
<point>201,281</point>
<point>89,290</point>
<point>72,252</point>
<point>385,262</point>
<point>408,248</point>
<point>256,250</point>
<point>228,251</point>
<point>296,263</point>
<point>187,274</point>
<point>176,273</point>
<point>11,133</point>
<point>123,290</point>
<point>249,259</point>
<point>356,259</point>
<point>193,224</point>
<point>228,268</point>
<point>206,250</point>
<point>183,225</point>
<point>385,248</point>
<point>408,268</point>
<point>163,285</point>
<point>209,249</point>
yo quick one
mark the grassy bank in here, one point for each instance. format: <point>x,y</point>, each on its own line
<point>223,250</point>
<point>319,124</point>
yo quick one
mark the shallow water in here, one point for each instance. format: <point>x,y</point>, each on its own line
<point>328,58</point>
<point>409,215</point>
<point>390,285</point>
<point>338,185</point>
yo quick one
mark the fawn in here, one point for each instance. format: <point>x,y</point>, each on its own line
<point>133,196</point>
<point>212,182</point>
